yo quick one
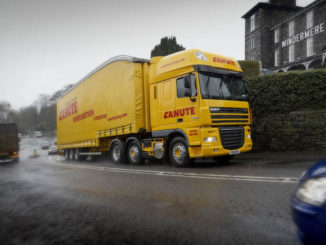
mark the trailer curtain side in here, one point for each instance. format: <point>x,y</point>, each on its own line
<point>110,100</point>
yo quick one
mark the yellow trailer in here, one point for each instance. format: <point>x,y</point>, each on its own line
<point>187,105</point>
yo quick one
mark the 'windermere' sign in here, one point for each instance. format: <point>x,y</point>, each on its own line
<point>313,31</point>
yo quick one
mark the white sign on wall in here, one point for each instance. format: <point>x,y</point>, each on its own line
<point>313,31</point>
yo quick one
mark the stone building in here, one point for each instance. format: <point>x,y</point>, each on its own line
<point>284,36</point>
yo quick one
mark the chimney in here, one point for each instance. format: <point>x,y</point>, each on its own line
<point>288,3</point>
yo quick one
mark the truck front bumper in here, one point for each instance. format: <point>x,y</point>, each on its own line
<point>215,149</point>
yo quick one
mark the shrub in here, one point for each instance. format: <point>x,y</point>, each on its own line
<point>286,92</point>
<point>250,68</point>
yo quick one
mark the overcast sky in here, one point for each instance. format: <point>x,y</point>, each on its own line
<point>47,44</point>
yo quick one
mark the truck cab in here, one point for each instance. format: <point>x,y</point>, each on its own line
<point>199,106</point>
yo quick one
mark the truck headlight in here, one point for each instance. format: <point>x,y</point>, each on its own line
<point>313,191</point>
<point>210,139</point>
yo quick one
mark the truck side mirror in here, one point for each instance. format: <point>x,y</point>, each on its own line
<point>187,92</point>
<point>188,81</point>
<point>190,86</point>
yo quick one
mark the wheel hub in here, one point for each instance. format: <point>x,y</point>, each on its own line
<point>133,152</point>
<point>179,152</point>
<point>116,153</point>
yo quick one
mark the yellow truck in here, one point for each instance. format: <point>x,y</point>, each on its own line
<point>187,105</point>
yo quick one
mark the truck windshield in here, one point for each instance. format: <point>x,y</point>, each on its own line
<point>222,87</point>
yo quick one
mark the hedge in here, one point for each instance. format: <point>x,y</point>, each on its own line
<point>286,92</point>
<point>250,68</point>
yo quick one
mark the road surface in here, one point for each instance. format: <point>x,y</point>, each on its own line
<point>46,200</point>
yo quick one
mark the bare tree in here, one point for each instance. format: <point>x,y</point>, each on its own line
<point>4,111</point>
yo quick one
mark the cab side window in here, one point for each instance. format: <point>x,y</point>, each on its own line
<point>181,87</point>
<point>184,87</point>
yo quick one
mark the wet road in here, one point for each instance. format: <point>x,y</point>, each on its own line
<point>49,201</point>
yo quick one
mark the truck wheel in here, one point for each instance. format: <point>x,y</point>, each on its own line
<point>72,154</point>
<point>77,157</point>
<point>117,152</point>
<point>223,159</point>
<point>67,154</point>
<point>179,155</point>
<point>134,153</point>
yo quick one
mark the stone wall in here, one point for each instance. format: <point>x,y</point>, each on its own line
<point>294,131</point>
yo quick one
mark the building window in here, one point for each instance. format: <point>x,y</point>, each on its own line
<point>310,47</point>
<point>291,53</point>
<point>252,43</point>
<point>277,35</point>
<point>291,28</point>
<point>252,23</point>
<point>277,57</point>
<point>310,19</point>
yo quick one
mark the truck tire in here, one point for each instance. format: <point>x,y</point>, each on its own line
<point>178,151</point>
<point>135,153</point>
<point>223,159</point>
<point>117,152</point>
<point>67,154</point>
<point>72,154</point>
<point>77,157</point>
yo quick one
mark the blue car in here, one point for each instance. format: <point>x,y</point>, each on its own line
<point>309,205</point>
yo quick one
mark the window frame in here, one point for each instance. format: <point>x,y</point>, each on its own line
<point>291,53</point>
<point>310,19</point>
<point>310,48</point>
<point>253,22</point>
<point>183,78</point>
<point>252,43</point>
<point>277,57</point>
<point>277,33</point>
<point>291,28</point>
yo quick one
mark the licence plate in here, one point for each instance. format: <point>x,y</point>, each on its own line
<point>234,152</point>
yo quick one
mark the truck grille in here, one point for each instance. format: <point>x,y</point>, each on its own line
<point>232,137</point>
<point>238,115</point>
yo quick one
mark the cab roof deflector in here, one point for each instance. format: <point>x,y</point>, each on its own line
<point>204,68</point>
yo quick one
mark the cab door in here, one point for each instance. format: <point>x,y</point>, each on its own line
<point>187,102</point>
<point>166,103</point>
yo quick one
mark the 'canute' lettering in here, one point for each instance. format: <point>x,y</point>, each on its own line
<point>180,112</point>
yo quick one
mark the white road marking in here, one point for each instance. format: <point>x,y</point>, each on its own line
<point>290,180</point>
